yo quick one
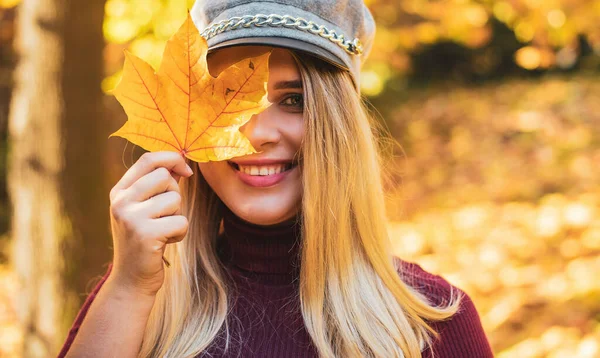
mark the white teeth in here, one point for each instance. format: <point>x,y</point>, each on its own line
<point>262,170</point>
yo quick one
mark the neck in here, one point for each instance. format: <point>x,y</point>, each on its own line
<point>268,253</point>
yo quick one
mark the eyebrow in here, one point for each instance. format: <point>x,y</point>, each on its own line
<point>288,84</point>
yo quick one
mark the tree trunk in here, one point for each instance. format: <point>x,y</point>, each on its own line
<point>56,171</point>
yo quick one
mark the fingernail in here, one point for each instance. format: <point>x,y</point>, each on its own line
<point>189,170</point>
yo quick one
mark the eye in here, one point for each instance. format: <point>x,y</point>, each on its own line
<point>294,102</point>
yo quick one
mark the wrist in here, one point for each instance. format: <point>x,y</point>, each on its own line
<point>128,293</point>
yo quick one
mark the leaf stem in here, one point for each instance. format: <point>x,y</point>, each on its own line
<point>166,262</point>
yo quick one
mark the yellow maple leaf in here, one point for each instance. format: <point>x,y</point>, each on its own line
<point>183,108</point>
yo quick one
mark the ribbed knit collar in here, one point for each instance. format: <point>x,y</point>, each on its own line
<point>267,252</point>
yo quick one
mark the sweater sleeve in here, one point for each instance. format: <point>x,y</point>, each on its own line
<point>81,315</point>
<point>461,335</point>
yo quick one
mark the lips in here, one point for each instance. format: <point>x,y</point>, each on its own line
<point>264,161</point>
<point>263,167</point>
<point>263,176</point>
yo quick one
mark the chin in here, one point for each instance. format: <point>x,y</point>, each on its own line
<point>262,214</point>
<point>260,206</point>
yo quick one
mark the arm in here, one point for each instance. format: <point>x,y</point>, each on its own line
<point>145,208</point>
<point>113,326</point>
<point>81,315</point>
<point>462,335</point>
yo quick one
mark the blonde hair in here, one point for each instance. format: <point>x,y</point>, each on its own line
<point>353,299</point>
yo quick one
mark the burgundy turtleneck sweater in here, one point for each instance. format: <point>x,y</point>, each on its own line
<point>265,319</point>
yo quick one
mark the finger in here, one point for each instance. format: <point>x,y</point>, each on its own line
<point>170,228</point>
<point>149,161</point>
<point>158,181</point>
<point>164,204</point>
<point>176,177</point>
<point>175,239</point>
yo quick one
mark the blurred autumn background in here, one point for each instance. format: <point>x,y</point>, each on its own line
<point>495,105</point>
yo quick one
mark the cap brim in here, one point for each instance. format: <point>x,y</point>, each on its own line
<point>284,42</point>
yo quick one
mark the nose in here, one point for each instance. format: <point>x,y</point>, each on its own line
<point>261,130</point>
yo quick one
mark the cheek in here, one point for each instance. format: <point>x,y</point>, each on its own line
<point>294,131</point>
<point>216,175</point>
<point>299,133</point>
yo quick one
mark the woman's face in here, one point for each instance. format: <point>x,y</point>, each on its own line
<point>264,188</point>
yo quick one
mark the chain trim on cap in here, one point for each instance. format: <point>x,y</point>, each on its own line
<point>353,47</point>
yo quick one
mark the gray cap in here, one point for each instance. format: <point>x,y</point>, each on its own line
<point>340,32</point>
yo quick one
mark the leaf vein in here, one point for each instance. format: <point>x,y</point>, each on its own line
<point>147,136</point>
<point>226,105</point>
<point>154,99</point>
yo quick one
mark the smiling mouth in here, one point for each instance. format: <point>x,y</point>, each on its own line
<point>263,170</point>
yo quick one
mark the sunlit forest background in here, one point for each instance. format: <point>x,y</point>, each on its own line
<point>495,105</point>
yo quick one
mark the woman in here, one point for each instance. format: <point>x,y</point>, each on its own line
<point>283,253</point>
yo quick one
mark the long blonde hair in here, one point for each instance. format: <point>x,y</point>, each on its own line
<point>353,299</point>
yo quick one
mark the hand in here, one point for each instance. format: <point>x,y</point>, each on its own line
<point>145,215</point>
